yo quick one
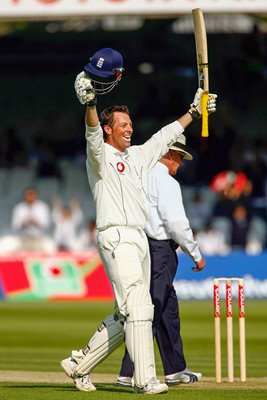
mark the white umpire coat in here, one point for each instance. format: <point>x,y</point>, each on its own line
<point>167,218</point>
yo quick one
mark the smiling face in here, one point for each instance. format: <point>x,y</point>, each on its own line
<point>119,134</point>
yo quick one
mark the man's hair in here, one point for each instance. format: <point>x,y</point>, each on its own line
<point>106,116</point>
<point>30,189</point>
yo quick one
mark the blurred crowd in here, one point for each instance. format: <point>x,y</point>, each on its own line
<point>227,215</point>
<point>39,226</point>
<point>237,219</point>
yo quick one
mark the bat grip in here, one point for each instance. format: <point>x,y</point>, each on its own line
<point>205,115</point>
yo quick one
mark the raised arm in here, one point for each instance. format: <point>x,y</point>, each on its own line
<point>91,116</point>
<point>195,110</point>
<point>185,120</point>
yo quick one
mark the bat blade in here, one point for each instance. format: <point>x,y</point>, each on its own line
<point>202,64</point>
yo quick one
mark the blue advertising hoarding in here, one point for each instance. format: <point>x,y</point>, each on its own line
<point>199,285</point>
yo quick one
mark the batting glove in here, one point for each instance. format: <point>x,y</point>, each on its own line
<point>84,89</point>
<point>211,105</point>
<point>196,107</point>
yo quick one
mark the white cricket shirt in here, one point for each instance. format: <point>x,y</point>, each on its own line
<point>167,218</point>
<point>118,180</point>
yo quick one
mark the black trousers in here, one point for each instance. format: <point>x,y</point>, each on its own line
<point>166,323</point>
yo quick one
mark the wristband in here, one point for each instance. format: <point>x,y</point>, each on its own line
<point>92,103</point>
<point>194,113</point>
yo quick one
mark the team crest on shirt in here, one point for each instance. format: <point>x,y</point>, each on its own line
<point>120,167</point>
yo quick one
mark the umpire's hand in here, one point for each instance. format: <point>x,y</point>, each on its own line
<point>199,265</point>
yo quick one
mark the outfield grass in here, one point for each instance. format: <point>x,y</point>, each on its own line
<point>36,336</point>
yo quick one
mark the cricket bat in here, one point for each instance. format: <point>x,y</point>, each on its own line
<point>202,64</point>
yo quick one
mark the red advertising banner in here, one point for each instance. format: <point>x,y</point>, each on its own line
<point>62,8</point>
<point>60,276</point>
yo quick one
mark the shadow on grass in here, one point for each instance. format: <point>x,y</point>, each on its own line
<point>113,388</point>
<point>101,387</point>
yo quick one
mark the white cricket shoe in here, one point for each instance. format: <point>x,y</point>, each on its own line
<point>153,387</point>
<point>69,366</point>
<point>125,381</point>
<point>185,376</point>
<point>83,383</point>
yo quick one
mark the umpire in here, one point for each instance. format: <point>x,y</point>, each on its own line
<point>167,229</point>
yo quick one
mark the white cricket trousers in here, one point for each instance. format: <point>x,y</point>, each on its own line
<point>125,255</point>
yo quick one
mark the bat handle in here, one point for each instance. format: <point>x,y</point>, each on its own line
<point>205,115</point>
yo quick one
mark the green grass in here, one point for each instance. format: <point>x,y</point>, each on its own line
<point>109,392</point>
<point>35,336</point>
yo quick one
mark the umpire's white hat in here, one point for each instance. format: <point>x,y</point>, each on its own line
<point>180,147</point>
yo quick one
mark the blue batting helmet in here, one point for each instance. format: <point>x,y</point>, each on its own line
<point>106,63</point>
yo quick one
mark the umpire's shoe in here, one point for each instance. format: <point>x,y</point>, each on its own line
<point>185,376</point>
<point>83,383</point>
<point>125,381</point>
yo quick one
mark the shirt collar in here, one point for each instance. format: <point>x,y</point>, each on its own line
<point>163,167</point>
<point>115,151</point>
